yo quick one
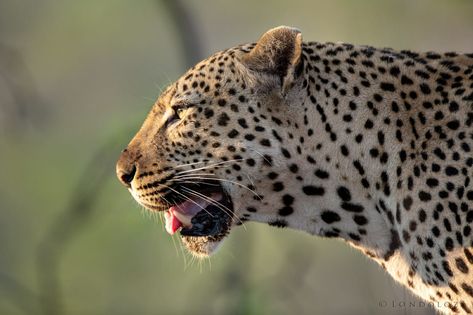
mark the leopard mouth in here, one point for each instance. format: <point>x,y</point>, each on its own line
<point>208,214</point>
<point>198,212</point>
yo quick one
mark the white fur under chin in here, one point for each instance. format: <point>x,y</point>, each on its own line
<point>206,250</point>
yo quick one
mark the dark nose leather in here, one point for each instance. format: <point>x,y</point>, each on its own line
<point>126,168</point>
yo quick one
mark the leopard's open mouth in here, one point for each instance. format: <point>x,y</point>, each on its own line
<point>197,210</point>
<point>206,212</point>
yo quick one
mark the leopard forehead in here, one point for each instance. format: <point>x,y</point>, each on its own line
<point>216,77</point>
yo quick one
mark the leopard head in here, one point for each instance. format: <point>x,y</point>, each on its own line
<point>209,151</point>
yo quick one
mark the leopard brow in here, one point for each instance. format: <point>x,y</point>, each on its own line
<point>187,101</point>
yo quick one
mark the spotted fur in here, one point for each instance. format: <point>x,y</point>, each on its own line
<point>370,145</point>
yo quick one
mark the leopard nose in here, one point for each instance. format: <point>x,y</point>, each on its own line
<point>126,169</point>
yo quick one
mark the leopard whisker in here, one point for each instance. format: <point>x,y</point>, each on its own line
<point>222,180</point>
<point>187,198</point>
<point>192,175</point>
<point>190,164</point>
<point>207,198</point>
<point>210,166</point>
<point>198,183</point>
<point>222,207</point>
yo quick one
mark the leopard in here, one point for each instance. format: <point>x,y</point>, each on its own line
<point>369,145</point>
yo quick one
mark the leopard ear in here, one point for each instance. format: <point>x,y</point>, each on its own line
<point>278,53</point>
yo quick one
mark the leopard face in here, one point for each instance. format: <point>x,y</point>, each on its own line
<point>208,145</point>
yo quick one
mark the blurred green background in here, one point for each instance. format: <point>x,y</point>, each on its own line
<point>76,81</point>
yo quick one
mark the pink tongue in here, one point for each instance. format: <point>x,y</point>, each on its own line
<point>172,223</point>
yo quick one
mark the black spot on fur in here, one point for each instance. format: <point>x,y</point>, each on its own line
<point>344,193</point>
<point>311,190</point>
<point>351,207</point>
<point>330,216</point>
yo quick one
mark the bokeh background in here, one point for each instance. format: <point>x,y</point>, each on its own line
<point>76,81</point>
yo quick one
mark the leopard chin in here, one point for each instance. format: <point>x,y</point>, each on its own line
<point>202,246</point>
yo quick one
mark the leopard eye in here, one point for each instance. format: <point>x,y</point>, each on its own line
<point>179,112</point>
